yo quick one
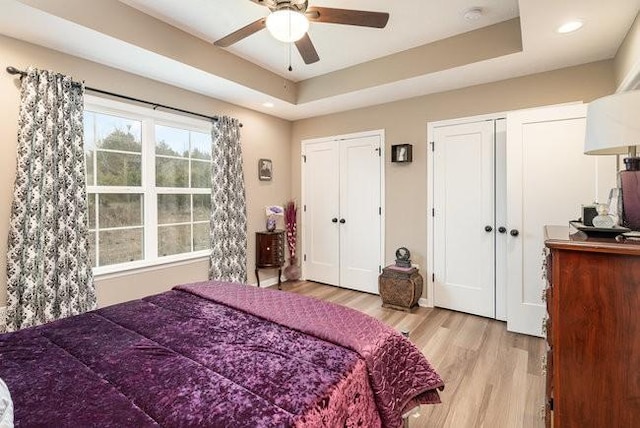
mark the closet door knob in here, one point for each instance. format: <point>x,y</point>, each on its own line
<point>488,228</point>
<point>334,220</point>
<point>343,221</point>
<point>514,232</point>
<point>502,229</point>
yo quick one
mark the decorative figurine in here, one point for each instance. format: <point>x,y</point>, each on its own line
<point>403,257</point>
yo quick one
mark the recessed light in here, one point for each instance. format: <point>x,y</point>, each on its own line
<point>473,14</point>
<point>570,26</point>
<point>268,104</point>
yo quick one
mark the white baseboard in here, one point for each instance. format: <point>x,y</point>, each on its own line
<point>3,319</point>
<point>424,303</point>
<point>267,282</point>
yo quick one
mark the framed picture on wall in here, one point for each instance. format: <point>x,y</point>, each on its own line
<point>402,153</point>
<point>265,169</point>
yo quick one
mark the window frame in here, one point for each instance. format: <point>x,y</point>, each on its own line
<point>149,118</point>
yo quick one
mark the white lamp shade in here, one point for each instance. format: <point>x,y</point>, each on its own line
<point>613,124</point>
<point>287,25</point>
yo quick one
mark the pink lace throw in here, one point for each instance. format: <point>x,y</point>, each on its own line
<point>400,376</point>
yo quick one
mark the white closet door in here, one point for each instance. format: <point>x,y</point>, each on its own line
<point>501,218</point>
<point>548,178</point>
<point>321,226</point>
<point>360,226</point>
<point>464,252</point>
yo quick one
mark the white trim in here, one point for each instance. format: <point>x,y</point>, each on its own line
<point>430,227</point>
<point>424,303</point>
<point>122,152</point>
<point>149,119</point>
<point>182,191</point>
<point>141,266</point>
<point>631,80</point>
<point>492,116</point>
<point>116,189</point>
<point>303,216</point>
<point>362,134</point>
<point>117,228</point>
<point>268,282</point>
<point>372,133</point>
<point>383,199</point>
<point>113,107</point>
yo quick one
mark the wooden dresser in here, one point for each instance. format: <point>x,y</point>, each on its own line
<point>270,252</point>
<point>593,331</point>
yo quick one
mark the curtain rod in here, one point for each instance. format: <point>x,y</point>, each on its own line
<point>15,71</point>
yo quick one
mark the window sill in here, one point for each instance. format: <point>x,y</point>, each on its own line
<point>132,268</point>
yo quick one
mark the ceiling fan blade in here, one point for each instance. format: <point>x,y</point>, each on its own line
<point>348,17</point>
<point>271,4</point>
<point>307,50</point>
<point>240,34</point>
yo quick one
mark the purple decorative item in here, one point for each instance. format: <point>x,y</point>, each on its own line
<point>630,190</point>
<point>291,272</point>
<point>271,224</point>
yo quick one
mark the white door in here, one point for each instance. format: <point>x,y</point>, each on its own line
<point>501,218</point>
<point>548,178</point>
<point>464,222</point>
<point>342,222</point>
<point>360,213</point>
<point>321,178</point>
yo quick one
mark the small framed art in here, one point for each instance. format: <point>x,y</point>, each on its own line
<point>265,169</point>
<point>401,153</point>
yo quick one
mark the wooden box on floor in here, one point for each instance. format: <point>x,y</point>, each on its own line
<point>400,288</point>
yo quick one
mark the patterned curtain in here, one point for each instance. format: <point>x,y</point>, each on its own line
<point>48,267</point>
<point>228,206</point>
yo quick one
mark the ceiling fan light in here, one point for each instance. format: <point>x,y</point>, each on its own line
<point>287,25</point>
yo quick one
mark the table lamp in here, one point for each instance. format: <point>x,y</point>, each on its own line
<point>613,128</point>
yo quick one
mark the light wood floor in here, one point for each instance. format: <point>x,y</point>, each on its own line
<point>493,377</point>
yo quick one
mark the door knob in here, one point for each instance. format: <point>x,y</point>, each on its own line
<point>488,228</point>
<point>514,232</point>
<point>502,229</point>
<point>343,221</point>
<point>334,220</point>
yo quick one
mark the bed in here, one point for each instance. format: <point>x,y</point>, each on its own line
<point>216,354</point>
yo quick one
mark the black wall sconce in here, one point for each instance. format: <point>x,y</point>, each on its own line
<point>402,153</point>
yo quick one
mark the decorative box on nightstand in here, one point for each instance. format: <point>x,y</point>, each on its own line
<point>400,288</point>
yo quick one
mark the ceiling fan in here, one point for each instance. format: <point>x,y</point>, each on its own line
<point>289,22</point>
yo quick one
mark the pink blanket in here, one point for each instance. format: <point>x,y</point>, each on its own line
<point>399,374</point>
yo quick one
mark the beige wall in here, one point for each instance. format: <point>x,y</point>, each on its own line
<point>627,58</point>
<point>268,137</point>
<point>406,122</point>
<point>263,136</point>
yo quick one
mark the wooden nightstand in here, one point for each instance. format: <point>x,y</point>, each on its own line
<point>400,288</point>
<point>270,252</point>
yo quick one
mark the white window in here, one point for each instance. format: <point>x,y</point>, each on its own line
<point>148,185</point>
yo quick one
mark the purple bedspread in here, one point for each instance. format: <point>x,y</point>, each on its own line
<point>398,372</point>
<point>179,360</point>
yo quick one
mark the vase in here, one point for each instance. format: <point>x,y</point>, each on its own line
<point>292,272</point>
